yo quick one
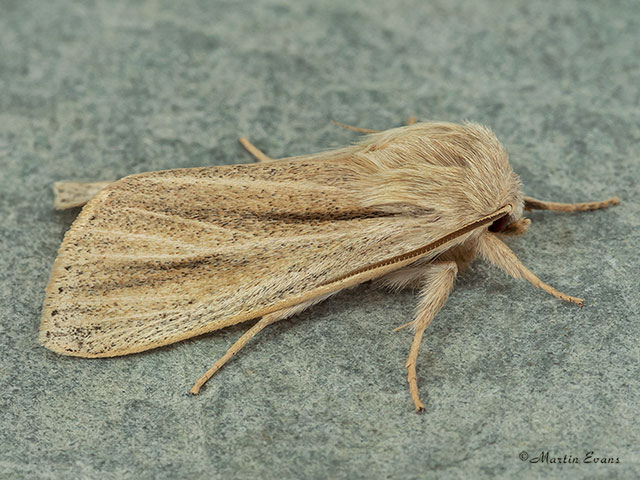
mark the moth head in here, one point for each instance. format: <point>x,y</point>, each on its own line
<point>513,222</point>
<point>509,225</point>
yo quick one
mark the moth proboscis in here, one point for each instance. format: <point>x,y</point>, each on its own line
<point>158,257</point>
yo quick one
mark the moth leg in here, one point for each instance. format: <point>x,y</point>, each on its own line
<point>75,194</point>
<point>534,204</point>
<point>497,252</point>
<point>407,277</point>
<point>264,322</point>
<point>258,154</point>
<point>355,129</point>
<point>410,121</point>
<point>235,348</point>
<point>438,283</point>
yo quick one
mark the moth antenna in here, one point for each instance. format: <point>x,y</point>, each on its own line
<point>255,152</point>
<point>534,204</point>
<point>438,284</point>
<point>355,129</point>
<point>497,252</point>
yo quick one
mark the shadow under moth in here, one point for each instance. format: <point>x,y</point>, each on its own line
<point>159,257</point>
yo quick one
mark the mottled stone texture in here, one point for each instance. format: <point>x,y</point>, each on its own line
<point>98,90</point>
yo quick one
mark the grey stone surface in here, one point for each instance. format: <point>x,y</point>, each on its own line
<point>99,90</point>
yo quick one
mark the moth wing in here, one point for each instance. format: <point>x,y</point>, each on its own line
<point>163,256</point>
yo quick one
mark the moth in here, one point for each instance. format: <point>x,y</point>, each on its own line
<point>159,257</point>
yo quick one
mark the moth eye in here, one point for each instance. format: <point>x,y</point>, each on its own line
<point>500,224</point>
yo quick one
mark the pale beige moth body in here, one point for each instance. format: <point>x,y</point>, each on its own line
<point>163,256</point>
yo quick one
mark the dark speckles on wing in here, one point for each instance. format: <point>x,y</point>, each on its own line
<point>159,255</point>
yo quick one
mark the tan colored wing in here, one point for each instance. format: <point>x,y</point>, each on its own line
<point>159,257</point>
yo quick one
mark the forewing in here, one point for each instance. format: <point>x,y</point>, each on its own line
<point>163,256</point>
